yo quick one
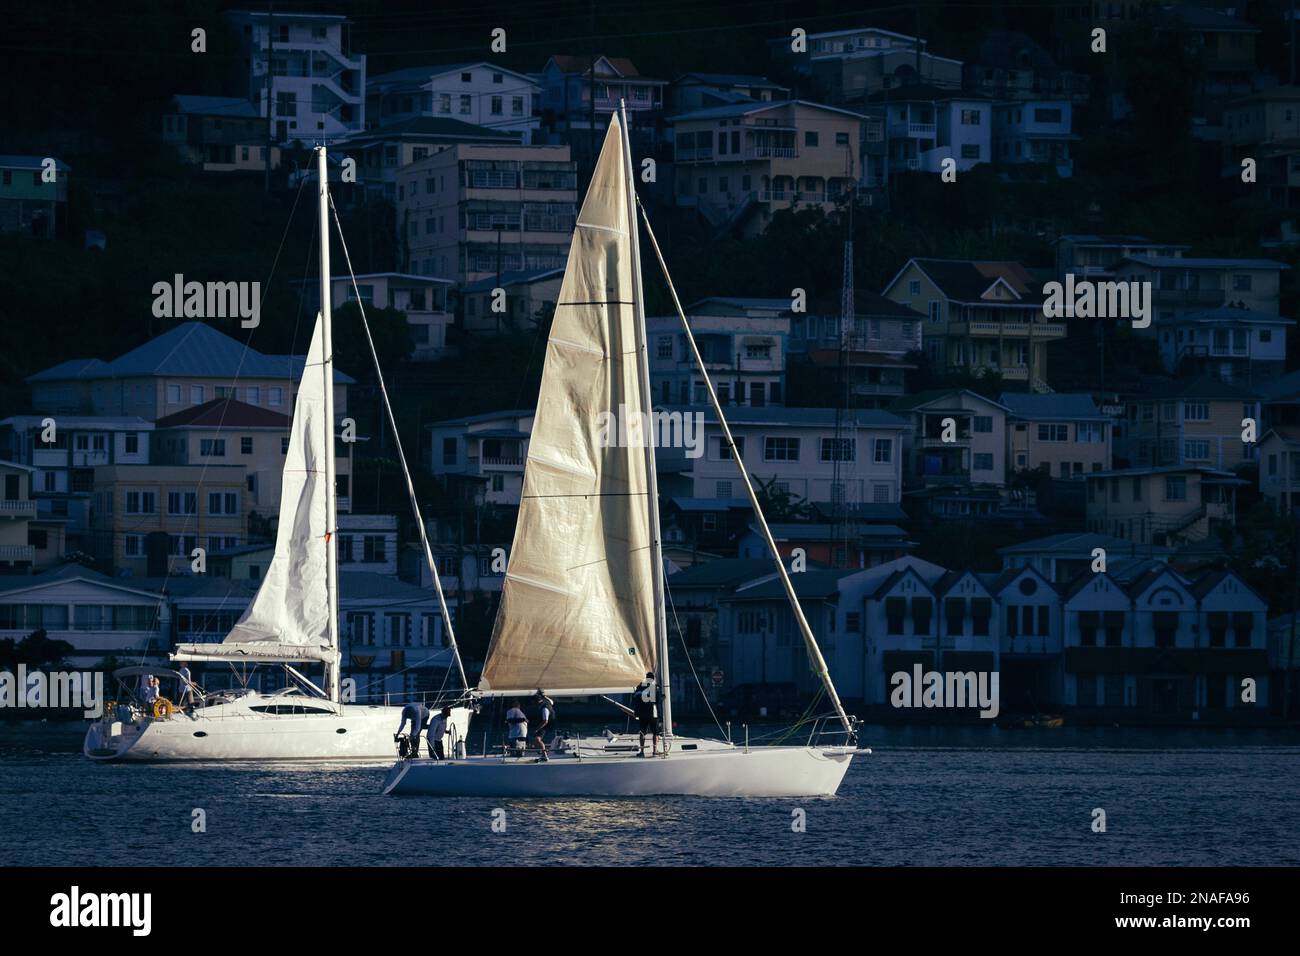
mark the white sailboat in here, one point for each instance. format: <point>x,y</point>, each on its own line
<point>582,607</point>
<point>292,620</point>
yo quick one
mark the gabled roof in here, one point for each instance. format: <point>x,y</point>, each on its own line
<point>1070,543</point>
<point>233,107</point>
<point>11,161</point>
<point>581,65</point>
<point>512,278</point>
<point>723,572</point>
<point>1228,315</point>
<point>1074,406</point>
<point>418,76</point>
<point>812,583</point>
<point>1001,581</point>
<point>750,107</point>
<point>189,349</point>
<point>72,572</point>
<point>925,93</point>
<point>432,128</point>
<point>887,585</point>
<point>224,412</point>
<point>933,395</point>
<point>731,79</point>
<point>485,417</point>
<point>708,504</point>
<point>968,280</point>
<point>952,578</point>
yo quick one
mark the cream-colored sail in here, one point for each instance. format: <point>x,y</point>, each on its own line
<point>577,604</point>
<point>288,618</point>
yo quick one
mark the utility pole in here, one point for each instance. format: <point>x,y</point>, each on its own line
<point>591,97</point>
<point>270,113</point>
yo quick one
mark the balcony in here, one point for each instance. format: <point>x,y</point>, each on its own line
<point>918,130</point>
<point>1041,330</point>
<point>17,552</point>
<point>89,459</point>
<point>18,508</point>
<point>772,152</point>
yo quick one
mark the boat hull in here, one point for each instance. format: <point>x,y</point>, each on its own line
<point>236,732</point>
<point>722,772</point>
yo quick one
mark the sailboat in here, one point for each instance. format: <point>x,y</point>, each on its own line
<point>582,605</point>
<point>292,620</point>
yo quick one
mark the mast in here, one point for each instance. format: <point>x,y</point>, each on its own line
<point>327,367</point>
<point>647,416</point>
<point>810,642</point>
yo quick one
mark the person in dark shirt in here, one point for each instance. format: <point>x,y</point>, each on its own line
<point>545,712</point>
<point>645,706</point>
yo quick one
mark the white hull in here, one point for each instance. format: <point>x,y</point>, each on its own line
<point>235,731</point>
<point>722,771</point>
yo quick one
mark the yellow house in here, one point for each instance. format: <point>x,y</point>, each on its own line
<point>17,510</point>
<point>1162,506</point>
<point>980,316</point>
<point>1197,423</point>
<point>738,164</point>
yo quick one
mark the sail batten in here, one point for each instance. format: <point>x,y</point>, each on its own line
<point>577,603</point>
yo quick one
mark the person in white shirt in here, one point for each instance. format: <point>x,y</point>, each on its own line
<point>517,721</point>
<point>439,727</point>
<point>187,689</point>
<point>151,691</point>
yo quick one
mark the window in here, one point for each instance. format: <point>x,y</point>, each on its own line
<point>984,423</point>
<point>1196,412</point>
<point>970,151</point>
<point>196,394</point>
<point>1089,432</point>
<point>954,612</point>
<point>516,106</point>
<point>466,105</point>
<point>838,449</point>
<point>895,612</point>
<point>914,287</point>
<point>373,550</point>
<point>131,443</point>
<point>1265,336</point>
<point>275,395</point>
<point>1165,625</point>
<point>1198,450</point>
<point>970,118</point>
<point>498,106</point>
<point>983,461</point>
<point>1243,623</point>
<point>1137,489</point>
<point>182,503</point>
<point>1088,626</point>
<point>724,453</point>
<point>1175,488</point>
<point>141,503</point>
<point>981,611</point>
<point>246,444</point>
<point>884,451</point>
<point>810,138</point>
<point>284,446</point>
<point>223,503</point>
<point>1241,283</point>
<point>212,447</point>
<point>780,449</point>
<point>722,489</point>
<point>922,612</point>
<point>841,139</point>
<point>1053,432</point>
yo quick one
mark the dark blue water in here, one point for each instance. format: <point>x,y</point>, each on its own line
<point>926,796</point>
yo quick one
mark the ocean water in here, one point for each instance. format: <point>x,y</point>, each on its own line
<point>926,796</point>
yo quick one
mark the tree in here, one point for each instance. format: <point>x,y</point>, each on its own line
<point>391,334</point>
<point>780,504</point>
<point>34,650</point>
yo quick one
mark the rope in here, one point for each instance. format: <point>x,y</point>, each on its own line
<point>691,663</point>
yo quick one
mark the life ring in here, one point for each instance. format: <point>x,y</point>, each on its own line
<point>163,708</point>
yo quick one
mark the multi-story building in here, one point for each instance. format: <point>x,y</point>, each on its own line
<point>481,93</point>
<point>63,474</point>
<point>1235,345</point>
<point>30,202</point>
<point>1011,66</point>
<point>925,125</point>
<point>955,437</point>
<point>1063,435</point>
<point>872,351</point>
<point>229,432</point>
<point>470,212</point>
<point>1266,127</point>
<point>580,93</point>
<point>302,67</point>
<point>1184,286</point>
<point>17,511</point>
<point>744,356</point>
<point>980,315</point>
<point>187,365</point>
<point>219,134</point>
<point>382,151</point>
<point>738,164</point>
<point>1154,643</point>
<point>697,91</point>
<point>1087,256</point>
<point>148,519</point>
<point>1034,131</point>
<point>1063,557</point>
<point>1197,422</point>
<point>530,298</point>
<point>423,299</point>
<point>1160,505</point>
<point>850,65</point>
<point>488,450</point>
<point>1279,468</point>
<point>797,451</point>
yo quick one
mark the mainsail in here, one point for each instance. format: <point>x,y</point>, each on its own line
<point>577,605</point>
<point>288,618</point>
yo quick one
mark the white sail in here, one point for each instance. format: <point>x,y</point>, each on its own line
<point>288,619</point>
<point>577,604</point>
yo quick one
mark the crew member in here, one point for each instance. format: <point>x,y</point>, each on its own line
<point>418,715</point>
<point>645,706</point>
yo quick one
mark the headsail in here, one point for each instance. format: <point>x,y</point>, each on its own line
<point>577,604</point>
<point>288,619</point>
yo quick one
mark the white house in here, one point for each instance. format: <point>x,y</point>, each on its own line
<point>482,93</point>
<point>1034,131</point>
<point>489,449</point>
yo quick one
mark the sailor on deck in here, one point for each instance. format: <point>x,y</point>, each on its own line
<point>645,706</point>
<point>517,734</point>
<point>418,715</point>
<point>439,728</point>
